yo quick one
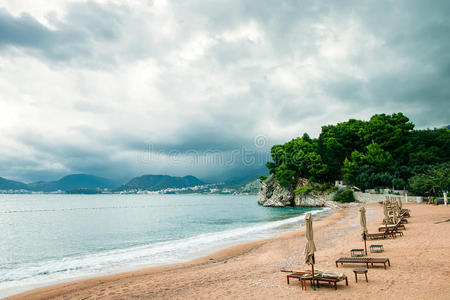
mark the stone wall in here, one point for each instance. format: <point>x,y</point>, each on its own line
<point>367,198</point>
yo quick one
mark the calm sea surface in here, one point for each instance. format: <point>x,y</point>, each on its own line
<point>51,238</point>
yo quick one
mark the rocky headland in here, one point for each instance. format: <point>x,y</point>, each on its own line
<point>273,194</point>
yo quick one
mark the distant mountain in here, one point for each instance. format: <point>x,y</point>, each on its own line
<point>160,182</point>
<point>72,182</point>
<point>6,184</point>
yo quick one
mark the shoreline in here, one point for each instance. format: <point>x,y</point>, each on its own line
<point>419,268</point>
<point>201,256</point>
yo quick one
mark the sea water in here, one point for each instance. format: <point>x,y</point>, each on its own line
<point>49,238</point>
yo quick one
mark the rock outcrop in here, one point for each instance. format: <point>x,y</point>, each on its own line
<point>272,193</point>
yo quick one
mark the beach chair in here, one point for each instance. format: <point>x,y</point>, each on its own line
<point>363,260</point>
<point>319,276</point>
<point>396,227</point>
<point>394,232</point>
<point>386,233</point>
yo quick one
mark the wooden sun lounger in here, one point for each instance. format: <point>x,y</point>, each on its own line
<point>397,226</point>
<point>363,260</point>
<point>330,280</point>
<point>403,214</point>
<point>380,235</point>
<point>304,276</point>
<point>394,232</point>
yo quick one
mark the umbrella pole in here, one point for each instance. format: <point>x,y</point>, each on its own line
<point>365,243</point>
<point>313,286</point>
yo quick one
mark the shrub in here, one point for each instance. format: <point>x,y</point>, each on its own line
<point>325,186</point>
<point>304,190</point>
<point>344,196</point>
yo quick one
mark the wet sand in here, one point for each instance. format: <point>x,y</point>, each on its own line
<point>420,266</point>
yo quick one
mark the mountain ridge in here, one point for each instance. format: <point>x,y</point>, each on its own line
<point>159,182</point>
<point>66,183</point>
<point>91,184</point>
<point>73,181</point>
<point>7,184</point>
<point>87,182</point>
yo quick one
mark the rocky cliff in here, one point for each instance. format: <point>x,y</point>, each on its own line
<point>272,194</point>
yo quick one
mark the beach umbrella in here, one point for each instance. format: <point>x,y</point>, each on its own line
<point>395,212</point>
<point>399,201</point>
<point>310,247</point>
<point>386,213</point>
<point>363,222</point>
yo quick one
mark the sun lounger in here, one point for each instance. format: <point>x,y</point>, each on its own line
<point>323,276</point>
<point>394,232</point>
<point>397,226</point>
<point>388,232</point>
<point>301,276</point>
<point>381,235</point>
<point>403,213</point>
<point>330,280</point>
<point>363,260</point>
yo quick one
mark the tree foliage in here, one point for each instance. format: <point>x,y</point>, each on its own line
<point>433,182</point>
<point>344,196</point>
<point>385,151</point>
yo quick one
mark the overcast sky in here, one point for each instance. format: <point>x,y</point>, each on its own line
<point>125,88</point>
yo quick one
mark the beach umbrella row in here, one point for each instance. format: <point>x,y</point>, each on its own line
<point>396,207</point>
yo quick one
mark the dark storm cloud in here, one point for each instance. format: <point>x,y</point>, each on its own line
<point>74,37</point>
<point>23,31</point>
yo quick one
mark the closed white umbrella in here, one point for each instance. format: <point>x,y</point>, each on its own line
<point>395,213</point>
<point>363,222</point>
<point>386,213</point>
<point>310,247</point>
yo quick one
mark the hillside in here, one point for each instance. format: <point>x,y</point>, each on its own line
<point>159,182</point>
<point>6,184</point>
<point>252,187</point>
<point>74,181</point>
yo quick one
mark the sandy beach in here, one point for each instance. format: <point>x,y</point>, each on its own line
<point>420,266</point>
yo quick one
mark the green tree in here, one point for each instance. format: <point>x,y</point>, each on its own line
<point>378,158</point>
<point>344,196</point>
<point>333,154</point>
<point>433,182</point>
<point>421,184</point>
<point>284,175</point>
<point>316,169</point>
<point>391,132</point>
<point>350,170</point>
